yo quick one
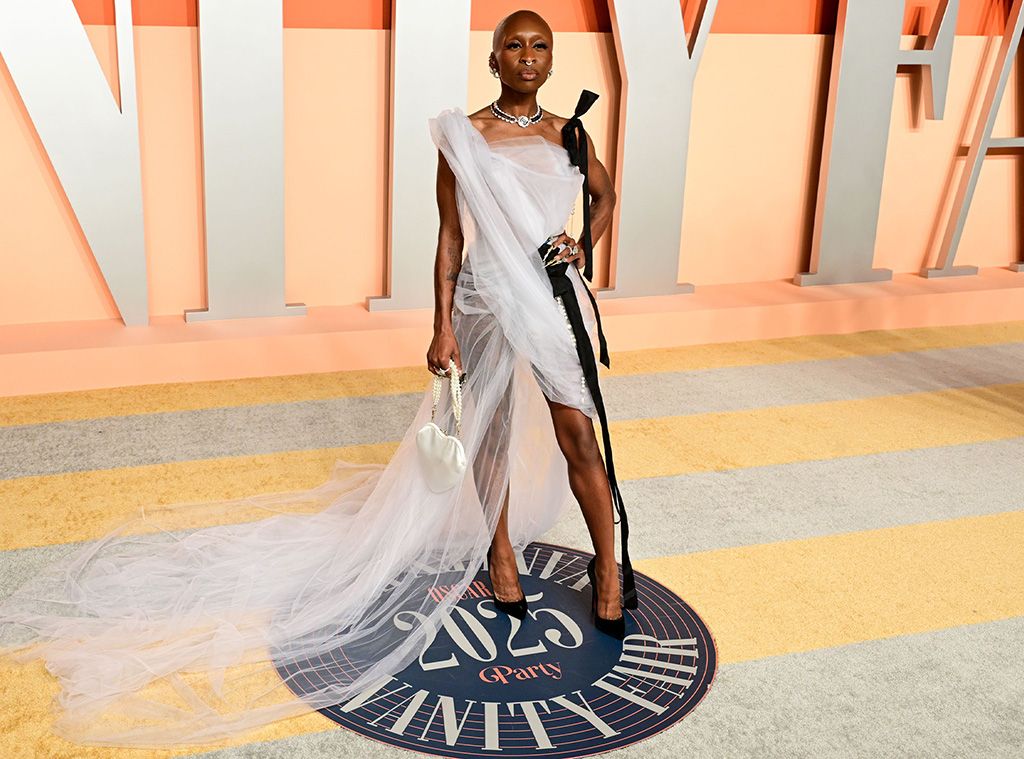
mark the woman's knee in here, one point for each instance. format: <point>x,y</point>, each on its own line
<point>577,440</point>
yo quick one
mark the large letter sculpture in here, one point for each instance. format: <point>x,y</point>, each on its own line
<point>419,92</point>
<point>864,61</point>
<point>242,90</point>
<point>658,67</point>
<point>92,144</point>
<point>981,144</point>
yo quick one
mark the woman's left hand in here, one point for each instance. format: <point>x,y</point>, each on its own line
<point>573,251</point>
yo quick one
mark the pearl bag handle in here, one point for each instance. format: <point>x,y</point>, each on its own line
<point>456,391</point>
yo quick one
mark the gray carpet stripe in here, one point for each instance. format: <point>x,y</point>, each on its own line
<point>945,694</point>
<point>700,512</point>
<point>75,446</point>
<point>703,511</point>
<point>84,445</point>
<point>762,386</point>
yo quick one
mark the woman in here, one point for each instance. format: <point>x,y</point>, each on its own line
<point>521,59</point>
<point>198,622</point>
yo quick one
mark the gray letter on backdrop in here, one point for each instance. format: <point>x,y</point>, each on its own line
<point>981,144</point>
<point>864,61</point>
<point>658,66</point>
<point>241,82</point>
<point>92,145</point>
<point>418,93</point>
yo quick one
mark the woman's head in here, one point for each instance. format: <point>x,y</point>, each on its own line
<point>521,51</point>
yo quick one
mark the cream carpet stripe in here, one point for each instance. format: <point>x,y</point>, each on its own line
<point>147,399</point>
<point>73,507</point>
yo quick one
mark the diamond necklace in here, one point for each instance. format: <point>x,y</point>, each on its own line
<point>522,121</point>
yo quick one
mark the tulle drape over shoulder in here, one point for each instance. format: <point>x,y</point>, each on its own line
<point>186,624</point>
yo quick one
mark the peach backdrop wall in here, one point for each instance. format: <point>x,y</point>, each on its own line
<point>733,16</point>
<point>755,143</point>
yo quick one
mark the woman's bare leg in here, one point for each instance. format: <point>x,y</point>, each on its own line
<point>504,572</point>
<point>589,483</point>
<point>494,449</point>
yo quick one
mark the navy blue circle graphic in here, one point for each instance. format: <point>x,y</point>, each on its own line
<point>487,684</point>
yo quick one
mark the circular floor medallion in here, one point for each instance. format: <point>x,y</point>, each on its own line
<point>488,685</point>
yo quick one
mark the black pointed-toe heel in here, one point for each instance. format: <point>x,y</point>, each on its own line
<point>613,627</point>
<point>515,609</point>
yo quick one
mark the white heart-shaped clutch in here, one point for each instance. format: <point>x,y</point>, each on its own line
<point>442,457</point>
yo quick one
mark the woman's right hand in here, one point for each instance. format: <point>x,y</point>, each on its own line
<point>442,348</point>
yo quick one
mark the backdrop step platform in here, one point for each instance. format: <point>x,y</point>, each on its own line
<point>63,357</point>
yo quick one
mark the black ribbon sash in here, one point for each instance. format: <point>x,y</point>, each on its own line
<point>574,139</point>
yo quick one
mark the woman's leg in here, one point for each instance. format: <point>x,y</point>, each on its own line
<point>489,459</point>
<point>504,572</point>
<point>589,482</point>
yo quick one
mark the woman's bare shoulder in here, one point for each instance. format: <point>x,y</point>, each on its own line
<point>558,121</point>
<point>554,126</point>
<point>481,117</point>
<point>483,120</point>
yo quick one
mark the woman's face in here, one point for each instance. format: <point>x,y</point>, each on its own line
<point>522,53</point>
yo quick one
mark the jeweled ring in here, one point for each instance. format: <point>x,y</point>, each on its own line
<point>574,250</point>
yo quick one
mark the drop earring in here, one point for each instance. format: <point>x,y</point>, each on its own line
<point>494,71</point>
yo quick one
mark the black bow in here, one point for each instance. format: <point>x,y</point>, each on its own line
<point>575,142</point>
<point>574,139</point>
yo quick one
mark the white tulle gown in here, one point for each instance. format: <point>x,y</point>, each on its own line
<point>175,628</point>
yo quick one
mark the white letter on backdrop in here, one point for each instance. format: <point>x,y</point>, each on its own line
<point>241,82</point>
<point>92,144</point>
<point>658,66</point>
<point>419,92</point>
<point>864,62</point>
<point>981,144</point>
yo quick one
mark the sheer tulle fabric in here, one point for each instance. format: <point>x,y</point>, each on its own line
<point>172,628</point>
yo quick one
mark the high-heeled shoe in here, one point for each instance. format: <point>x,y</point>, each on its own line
<point>515,609</point>
<point>614,627</point>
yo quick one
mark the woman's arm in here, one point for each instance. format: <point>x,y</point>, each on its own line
<point>447,265</point>
<point>602,193</point>
<point>602,204</point>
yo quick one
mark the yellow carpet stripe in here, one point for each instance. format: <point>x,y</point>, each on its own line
<point>74,507</point>
<point>812,348</point>
<point>187,396</point>
<point>786,434</point>
<point>759,601</point>
<point>147,399</point>
<point>66,508</point>
<point>26,692</point>
<point>802,595</point>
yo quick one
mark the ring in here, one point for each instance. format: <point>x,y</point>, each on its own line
<point>574,250</point>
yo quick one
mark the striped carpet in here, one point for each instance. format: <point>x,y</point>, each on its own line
<point>846,513</point>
